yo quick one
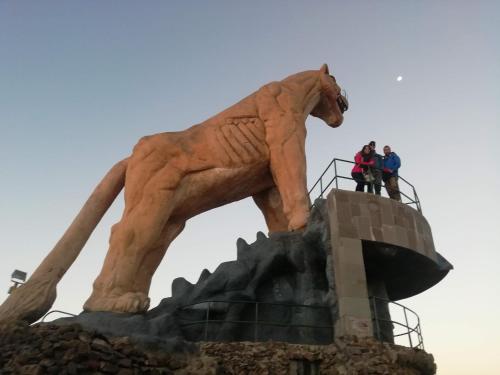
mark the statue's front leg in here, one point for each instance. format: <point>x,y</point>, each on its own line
<point>270,203</point>
<point>285,138</point>
<point>288,167</point>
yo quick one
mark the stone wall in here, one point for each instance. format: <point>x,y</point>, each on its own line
<point>49,349</point>
<point>347,356</point>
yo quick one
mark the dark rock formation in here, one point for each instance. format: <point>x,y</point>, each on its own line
<point>286,274</point>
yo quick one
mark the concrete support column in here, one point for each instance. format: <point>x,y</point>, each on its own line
<point>352,294</point>
<point>386,240</point>
<point>350,281</point>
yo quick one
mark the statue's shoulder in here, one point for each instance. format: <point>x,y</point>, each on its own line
<point>271,88</point>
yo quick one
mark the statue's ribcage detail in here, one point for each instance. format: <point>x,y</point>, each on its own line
<point>243,140</point>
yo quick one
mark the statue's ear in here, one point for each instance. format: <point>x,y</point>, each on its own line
<point>324,69</point>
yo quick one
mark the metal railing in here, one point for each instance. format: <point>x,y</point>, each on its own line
<point>56,311</point>
<point>412,332</point>
<point>215,305</point>
<point>407,190</point>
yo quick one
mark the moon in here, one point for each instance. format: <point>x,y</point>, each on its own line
<point>399,79</point>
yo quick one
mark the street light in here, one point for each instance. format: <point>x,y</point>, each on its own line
<point>18,278</point>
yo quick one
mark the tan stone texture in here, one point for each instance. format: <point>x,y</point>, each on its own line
<point>253,148</point>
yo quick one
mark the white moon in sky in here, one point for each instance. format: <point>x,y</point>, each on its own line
<point>399,79</point>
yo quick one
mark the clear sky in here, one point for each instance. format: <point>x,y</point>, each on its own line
<point>82,81</point>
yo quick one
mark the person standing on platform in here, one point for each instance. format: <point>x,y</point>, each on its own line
<point>377,168</point>
<point>392,163</point>
<point>363,161</point>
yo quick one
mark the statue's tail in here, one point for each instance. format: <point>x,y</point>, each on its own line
<point>33,299</point>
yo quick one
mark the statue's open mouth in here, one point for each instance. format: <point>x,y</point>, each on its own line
<point>343,103</point>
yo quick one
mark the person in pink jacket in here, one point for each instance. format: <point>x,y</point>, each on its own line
<point>364,161</point>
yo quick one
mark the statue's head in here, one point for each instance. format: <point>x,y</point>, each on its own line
<point>332,104</point>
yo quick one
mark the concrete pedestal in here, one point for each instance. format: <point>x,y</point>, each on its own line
<point>381,245</point>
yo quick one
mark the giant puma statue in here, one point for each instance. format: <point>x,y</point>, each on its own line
<point>254,148</point>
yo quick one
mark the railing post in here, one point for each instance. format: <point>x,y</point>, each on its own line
<point>321,187</point>
<point>375,318</point>
<point>420,338</point>
<point>408,327</point>
<point>336,180</point>
<point>206,321</point>
<point>417,200</point>
<point>256,332</point>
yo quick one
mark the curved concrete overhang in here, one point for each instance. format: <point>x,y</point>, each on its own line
<point>396,240</point>
<point>405,272</point>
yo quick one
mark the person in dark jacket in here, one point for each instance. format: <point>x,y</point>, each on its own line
<point>392,163</point>
<point>377,168</point>
<point>363,161</point>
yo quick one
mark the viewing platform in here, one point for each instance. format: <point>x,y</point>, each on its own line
<point>383,251</point>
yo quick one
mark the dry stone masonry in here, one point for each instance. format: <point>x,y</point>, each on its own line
<point>51,349</point>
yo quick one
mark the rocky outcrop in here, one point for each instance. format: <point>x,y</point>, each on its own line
<point>50,349</point>
<point>287,273</point>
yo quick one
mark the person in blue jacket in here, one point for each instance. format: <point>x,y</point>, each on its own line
<point>392,163</point>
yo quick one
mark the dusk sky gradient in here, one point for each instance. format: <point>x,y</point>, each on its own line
<point>82,81</point>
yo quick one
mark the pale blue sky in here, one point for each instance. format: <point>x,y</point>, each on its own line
<point>81,81</point>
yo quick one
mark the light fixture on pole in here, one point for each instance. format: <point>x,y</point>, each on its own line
<point>18,278</point>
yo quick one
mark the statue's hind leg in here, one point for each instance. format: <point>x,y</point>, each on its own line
<point>154,257</point>
<point>137,244</point>
<point>136,299</point>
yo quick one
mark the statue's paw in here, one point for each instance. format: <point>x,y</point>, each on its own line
<point>130,302</point>
<point>297,223</point>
